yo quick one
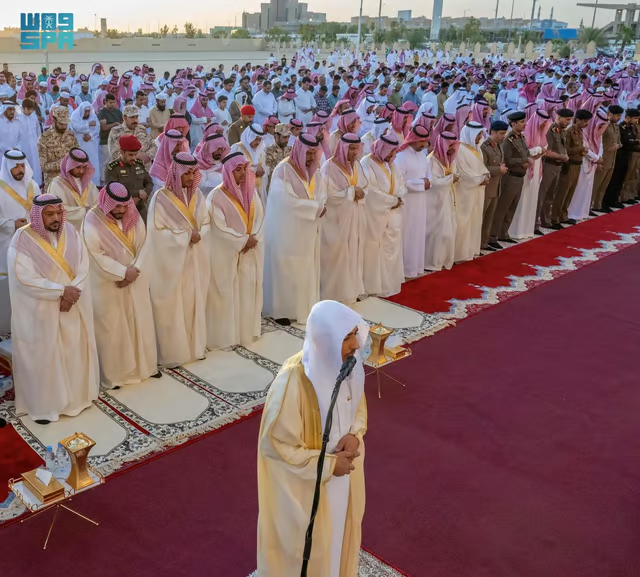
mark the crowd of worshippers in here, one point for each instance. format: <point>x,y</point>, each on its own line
<point>168,232</point>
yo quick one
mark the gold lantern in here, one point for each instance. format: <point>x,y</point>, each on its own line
<point>379,336</point>
<point>78,447</point>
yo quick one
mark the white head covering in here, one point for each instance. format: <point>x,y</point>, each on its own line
<point>77,116</point>
<point>469,133</point>
<point>249,134</point>
<point>328,324</point>
<point>380,127</point>
<point>10,159</point>
<point>364,106</point>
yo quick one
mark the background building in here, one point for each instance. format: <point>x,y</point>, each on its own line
<point>285,14</point>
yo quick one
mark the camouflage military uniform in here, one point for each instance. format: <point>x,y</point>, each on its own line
<point>52,147</point>
<point>274,155</point>
<point>135,178</point>
<point>140,132</point>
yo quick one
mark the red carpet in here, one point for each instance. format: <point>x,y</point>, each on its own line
<point>513,452</point>
<point>432,293</point>
<point>16,457</point>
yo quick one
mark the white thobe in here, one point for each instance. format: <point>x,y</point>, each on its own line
<point>223,118</point>
<point>413,168</point>
<point>286,110</point>
<point>265,106</point>
<point>125,334</point>
<point>179,275</point>
<point>14,205</point>
<point>304,101</point>
<point>9,133</point>
<point>30,131</point>
<point>367,142</point>
<point>441,223</point>
<point>523,224</point>
<point>343,233</point>
<point>383,266</point>
<point>292,246</point>
<point>581,201</point>
<point>92,146</point>
<point>210,179</point>
<point>234,300</point>
<point>55,363</point>
<point>77,206</point>
<point>469,203</point>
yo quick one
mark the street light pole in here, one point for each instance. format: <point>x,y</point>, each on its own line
<point>593,21</point>
<point>359,30</point>
<point>380,16</point>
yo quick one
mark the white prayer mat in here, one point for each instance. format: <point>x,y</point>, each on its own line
<point>370,566</point>
<point>277,346</point>
<point>162,401</point>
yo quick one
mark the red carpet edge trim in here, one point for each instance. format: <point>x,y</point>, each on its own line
<point>382,560</point>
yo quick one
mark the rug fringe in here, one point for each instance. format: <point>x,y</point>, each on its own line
<point>444,324</point>
<point>205,428</point>
<point>115,463</point>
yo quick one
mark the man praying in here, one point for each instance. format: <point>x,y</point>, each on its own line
<point>114,234</point>
<point>178,225</point>
<point>234,301</point>
<point>74,186</point>
<point>289,445</point>
<point>55,362</point>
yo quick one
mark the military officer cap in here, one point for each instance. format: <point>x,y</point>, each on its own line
<point>565,113</point>
<point>632,113</point>
<point>516,116</point>
<point>129,142</point>
<point>498,125</point>
<point>615,109</point>
<point>583,114</point>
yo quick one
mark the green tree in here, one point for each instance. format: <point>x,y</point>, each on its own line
<point>308,33</point>
<point>378,37</point>
<point>587,35</point>
<point>274,34</point>
<point>471,30</point>
<point>164,31</point>
<point>240,33</point>
<point>219,34</point>
<point>189,30</point>
<point>396,31</point>
<point>174,31</point>
<point>416,37</point>
<point>111,33</point>
<point>626,35</point>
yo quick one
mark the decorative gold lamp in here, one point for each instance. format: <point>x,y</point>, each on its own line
<point>379,336</point>
<point>78,447</point>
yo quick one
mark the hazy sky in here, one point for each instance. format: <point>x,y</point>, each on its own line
<point>123,14</point>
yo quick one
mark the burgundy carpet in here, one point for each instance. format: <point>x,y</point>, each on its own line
<point>513,452</point>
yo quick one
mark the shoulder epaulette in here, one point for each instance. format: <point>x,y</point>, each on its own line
<point>138,161</point>
<point>113,164</point>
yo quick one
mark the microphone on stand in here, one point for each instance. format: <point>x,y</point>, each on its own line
<point>345,371</point>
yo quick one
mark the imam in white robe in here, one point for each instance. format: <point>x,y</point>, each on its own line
<point>234,301</point>
<point>178,275</point>
<point>292,245</point>
<point>343,232</point>
<point>383,265</point>
<point>125,333</point>
<point>55,362</point>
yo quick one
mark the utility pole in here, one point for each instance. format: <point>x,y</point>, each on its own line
<point>359,30</point>
<point>495,20</point>
<point>593,21</point>
<point>380,16</point>
<point>533,13</point>
<point>511,21</point>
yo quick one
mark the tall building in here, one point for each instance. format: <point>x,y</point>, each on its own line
<point>103,25</point>
<point>404,15</point>
<point>436,20</point>
<point>288,14</point>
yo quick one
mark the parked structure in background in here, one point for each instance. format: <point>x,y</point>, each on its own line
<point>625,15</point>
<point>285,14</point>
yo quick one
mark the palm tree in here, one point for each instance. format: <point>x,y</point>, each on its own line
<point>595,35</point>
<point>626,35</point>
